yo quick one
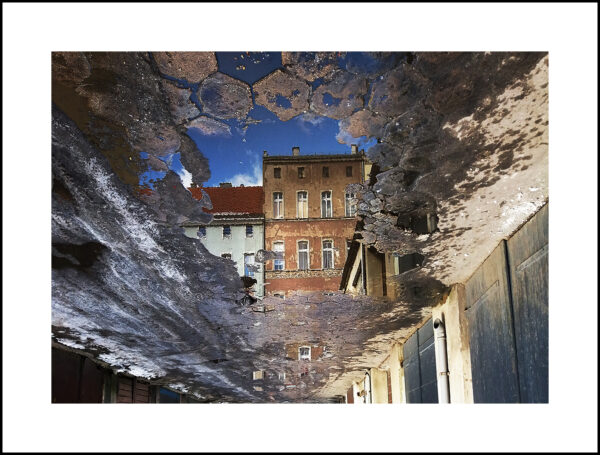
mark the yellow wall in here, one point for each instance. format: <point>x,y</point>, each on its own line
<point>392,284</point>
<point>397,374</point>
<point>379,385</point>
<point>374,273</point>
<point>452,314</point>
<point>357,388</point>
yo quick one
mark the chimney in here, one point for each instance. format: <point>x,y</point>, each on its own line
<point>225,185</point>
<point>265,153</point>
<point>295,151</point>
<point>354,149</point>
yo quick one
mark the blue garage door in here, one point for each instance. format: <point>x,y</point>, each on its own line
<point>507,313</point>
<point>419,366</point>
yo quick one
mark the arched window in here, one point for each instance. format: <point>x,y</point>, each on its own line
<point>327,254</point>
<point>303,255</point>
<point>278,205</point>
<point>326,210</point>
<point>279,261</point>
<point>302,205</point>
<point>350,204</point>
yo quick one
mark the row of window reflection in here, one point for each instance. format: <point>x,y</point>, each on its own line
<point>279,263</point>
<point>302,204</point>
<point>248,262</point>
<point>227,231</point>
<point>303,255</point>
<point>302,173</point>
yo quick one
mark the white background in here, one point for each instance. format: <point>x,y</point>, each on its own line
<point>31,31</point>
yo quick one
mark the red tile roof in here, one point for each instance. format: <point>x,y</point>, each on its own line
<point>246,200</point>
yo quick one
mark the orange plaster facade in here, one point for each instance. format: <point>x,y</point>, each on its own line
<point>282,178</point>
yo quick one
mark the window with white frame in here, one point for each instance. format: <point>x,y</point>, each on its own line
<point>279,261</point>
<point>303,255</point>
<point>304,353</point>
<point>248,264</point>
<point>350,204</point>
<point>201,232</point>
<point>249,231</point>
<point>302,204</point>
<point>277,205</point>
<point>327,254</point>
<point>226,232</point>
<point>326,211</point>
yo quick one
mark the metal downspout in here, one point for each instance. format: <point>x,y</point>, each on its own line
<point>441,360</point>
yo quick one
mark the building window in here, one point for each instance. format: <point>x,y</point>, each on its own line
<point>327,254</point>
<point>277,205</point>
<point>226,256</point>
<point>277,172</point>
<point>326,204</point>
<point>348,171</point>
<point>226,232</point>
<point>303,255</point>
<point>279,262</point>
<point>325,171</point>
<point>350,204</point>
<point>302,204</point>
<point>258,375</point>
<point>201,232</point>
<point>300,172</point>
<point>249,264</point>
<point>249,231</point>
<point>280,295</point>
<point>304,353</point>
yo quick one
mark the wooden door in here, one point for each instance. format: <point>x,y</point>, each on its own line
<point>528,264</point>
<point>488,309</point>
<point>419,366</point>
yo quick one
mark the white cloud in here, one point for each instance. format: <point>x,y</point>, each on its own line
<point>344,137</point>
<point>186,177</point>
<point>209,127</point>
<point>254,179</point>
<point>308,121</point>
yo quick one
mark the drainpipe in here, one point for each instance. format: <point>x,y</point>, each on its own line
<point>368,395</point>
<point>441,360</point>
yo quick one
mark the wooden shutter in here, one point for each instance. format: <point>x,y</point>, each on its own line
<point>65,376</point>
<point>75,378</point>
<point>141,392</point>
<point>92,381</point>
<point>125,390</point>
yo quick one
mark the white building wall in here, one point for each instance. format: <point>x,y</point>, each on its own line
<point>237,246</point>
